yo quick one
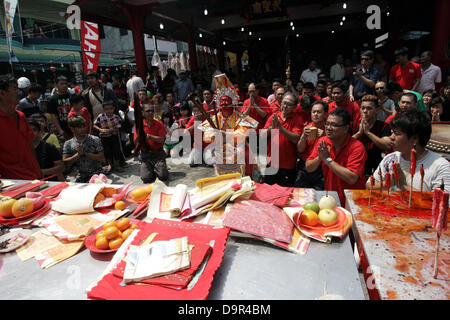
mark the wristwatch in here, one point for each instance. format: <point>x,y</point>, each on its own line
<point>328,160</point>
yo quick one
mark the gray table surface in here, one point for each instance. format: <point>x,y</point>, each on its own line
<point>250,269</point>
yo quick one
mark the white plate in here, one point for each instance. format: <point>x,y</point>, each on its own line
<point>18,237</point>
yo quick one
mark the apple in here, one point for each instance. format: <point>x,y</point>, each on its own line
<point>327,202</point>
<point>312,205</point>
<point>328,217</point>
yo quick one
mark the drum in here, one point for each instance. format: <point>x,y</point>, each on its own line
<point>440,139</point>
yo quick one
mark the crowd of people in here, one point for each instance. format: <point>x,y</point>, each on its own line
<point>332,130</point>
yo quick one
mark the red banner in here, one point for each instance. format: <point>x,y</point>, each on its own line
<point>90,46</point>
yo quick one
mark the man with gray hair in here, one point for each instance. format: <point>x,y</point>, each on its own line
<point>365,77</point>
<point>431,74</point>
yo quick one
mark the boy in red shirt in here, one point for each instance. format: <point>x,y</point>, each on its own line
<point>341,156</point>
<point>405,72</point>
<point>290,127</point>
<point>77,102</point>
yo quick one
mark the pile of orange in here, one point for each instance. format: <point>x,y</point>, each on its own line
<point>114,233</point>
<point>106,192</point>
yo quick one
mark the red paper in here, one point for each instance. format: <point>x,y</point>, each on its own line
<point>109,287</point>
<point>273,194</point>
<point>440,210</point>
<point>259,219</point>
<point>177,280</point>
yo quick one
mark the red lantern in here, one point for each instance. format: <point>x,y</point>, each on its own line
<point>124,67</point>
<point>33,72</point>
<point>108,70</point>
<point>53,69</point>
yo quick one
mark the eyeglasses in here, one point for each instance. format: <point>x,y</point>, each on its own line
<point>379,88</point>
<point>289,104</point>
<point>334,124</point>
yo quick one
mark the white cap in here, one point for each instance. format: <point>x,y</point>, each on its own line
<point>23,82</point>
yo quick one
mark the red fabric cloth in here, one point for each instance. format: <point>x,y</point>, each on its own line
<point>85,114</point>
<point>407,75</point>
<point>17,160</point>
<point>287,149</point>
<point>109,287</point>
<point>263,104</point>
<point>352,155</point>
<point>156,128</point>
<point>259,219</point>
<point>274,107</point>
<point>352,108</point>
<point>388,119</point>
<point>272,194</point>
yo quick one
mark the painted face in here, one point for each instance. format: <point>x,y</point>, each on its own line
<point>368,110</point>
<point>318,114</point>
<point>335,128</point>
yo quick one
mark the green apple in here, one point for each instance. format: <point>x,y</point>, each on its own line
<point>312,205</point>
<point>328,217</point>
<point>327,202</point>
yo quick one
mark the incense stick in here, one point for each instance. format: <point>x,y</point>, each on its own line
<point>435,271</point>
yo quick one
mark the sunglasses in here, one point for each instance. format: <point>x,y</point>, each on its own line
<point>334,124</point>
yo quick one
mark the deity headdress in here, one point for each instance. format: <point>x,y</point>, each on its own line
<point>225,89</point>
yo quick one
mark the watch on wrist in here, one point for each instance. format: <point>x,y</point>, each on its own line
<point>328,160</point>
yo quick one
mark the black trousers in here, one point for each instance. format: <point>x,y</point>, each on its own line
<point>284,178</point>
<point>111,147</point>
<point>305,179</point>
<point>153,165</point>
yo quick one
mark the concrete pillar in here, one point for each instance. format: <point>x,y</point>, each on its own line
<point>190,38</point>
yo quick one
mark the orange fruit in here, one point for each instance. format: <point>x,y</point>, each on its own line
<point>123,224</point>
<point>309,218</point>
<point>126,233</point>
<point>111,233</point>
<point>139,194</point>
<point>134,226</point>
<point>108,191</point>
<point>120,205</point>
<point>115,243</point>
<point>108,224</point>
<point>101,243</point>
<point>6,205</point>
<point>100,197</point>
<point>101,234</point>
<point>22,207</point>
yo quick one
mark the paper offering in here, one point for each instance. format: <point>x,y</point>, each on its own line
<point>156,259</point>
<point>77,199</point>
<point>178,199</point>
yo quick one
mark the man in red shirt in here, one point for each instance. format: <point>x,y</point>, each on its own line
<point>342,101</point>
<point>143,97</point>
<point>276,105</point>
<point>152,154</point>
<point>289,127</point>
<point>342,157</point>
<point>312,132</point>
<point>17,158</point>
<point>256,106</point>
<point>405,72</point>
<point>208,102</point>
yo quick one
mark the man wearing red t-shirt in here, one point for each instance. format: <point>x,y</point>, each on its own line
<point>143,97</point>
<point>152,156</point>
<point>342,157</point>
<point>17,158</point>
<point>405,72</point>
<point>255,106</point>
<point>342,101</point>
<point>289,127</point>
<point>208,102</point>
<point>312,132</point>
<point>276,105</point>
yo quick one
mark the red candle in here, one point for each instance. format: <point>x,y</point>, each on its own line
<point>413,161</point>
<point>388,181</point>
<point>395,169</point>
